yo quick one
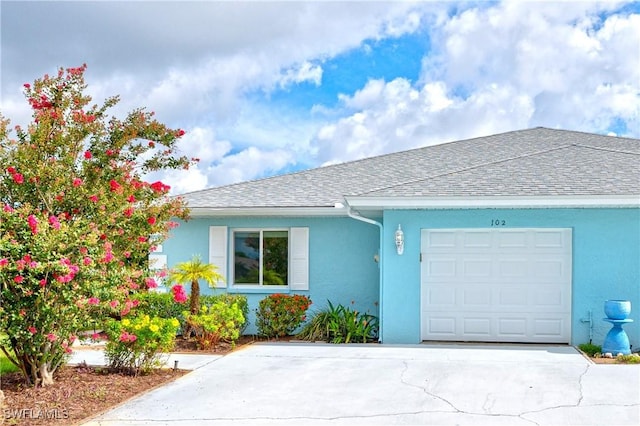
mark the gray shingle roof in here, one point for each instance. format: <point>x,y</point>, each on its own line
<point>535,162</point>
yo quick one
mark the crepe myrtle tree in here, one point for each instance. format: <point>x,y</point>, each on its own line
<point>77,218</point>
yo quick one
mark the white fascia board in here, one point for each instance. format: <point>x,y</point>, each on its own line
<point>375,203</point>
<point>267,211</point>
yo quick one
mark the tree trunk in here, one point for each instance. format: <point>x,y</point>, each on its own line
<point>194,301</point>
<point>46,376</point>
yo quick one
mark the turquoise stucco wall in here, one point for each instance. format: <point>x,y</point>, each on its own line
<point>341,258</point>
<point>606,263</point>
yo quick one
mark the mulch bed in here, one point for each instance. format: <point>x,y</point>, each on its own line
<point>83,391</point>
<point>78,393</point>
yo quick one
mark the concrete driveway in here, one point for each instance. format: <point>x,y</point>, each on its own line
<point>457,384</point>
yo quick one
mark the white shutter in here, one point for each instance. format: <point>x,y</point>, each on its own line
<point>218,251</point>
<point>299,279</point>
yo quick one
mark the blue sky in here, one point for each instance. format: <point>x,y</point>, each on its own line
<point>265,88</point>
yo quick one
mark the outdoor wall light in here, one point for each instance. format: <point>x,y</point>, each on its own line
<point>399,240</point>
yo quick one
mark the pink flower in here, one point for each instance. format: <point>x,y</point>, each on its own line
<point>18,279</point>
<point>178,294</point>
<point>52,337</point>
<point>160,187</point>
<point>126,337</point>
<point>108,257</point>
<point>33,223</point>
<point>87,261</point>
<point>53,221</point>
<point>4,262</point>
<point>32,329</point>
<point>43,282</point>
<point>131,199</point>
<point>93,301</point>
<point>18,178</point>
<point>77,182</point>
<point>8,209</point>
<point>87,155</point>
<point>27,86</point>
<point>151,283</point>
<point>11,170</point>
<point>95,336</point>
<point>114,303</point>
<point>129,212</point>
<point>114,185</point>
<point>151,220</point>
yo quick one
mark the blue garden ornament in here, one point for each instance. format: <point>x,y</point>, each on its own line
<point>617,341</point>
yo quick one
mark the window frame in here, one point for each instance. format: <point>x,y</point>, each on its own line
<point>259,286</point>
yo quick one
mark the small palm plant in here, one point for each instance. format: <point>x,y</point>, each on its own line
<point>192,272</point>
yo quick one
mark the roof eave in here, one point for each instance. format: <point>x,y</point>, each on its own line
<point>338,210</point>
<point>600,201</point>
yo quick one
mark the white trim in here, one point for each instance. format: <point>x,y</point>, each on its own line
<point>299,258</point>
<point>261,287</point>
<point>267,211</point>
<point>381,203</point>
<point>374,203</point>
<point>218,244</point>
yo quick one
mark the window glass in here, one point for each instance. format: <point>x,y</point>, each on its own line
<point>246,257</point>
<point>261,258</point>
<point>276,258</point>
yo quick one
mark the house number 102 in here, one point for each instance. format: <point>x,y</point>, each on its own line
<point>498,222</point>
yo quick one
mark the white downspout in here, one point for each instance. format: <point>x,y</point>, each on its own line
<point>380,262</point>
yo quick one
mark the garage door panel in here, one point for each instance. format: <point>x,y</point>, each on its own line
<point>442,327</point>
<point>550,239</point>
<point>476,268</point>
<point>442,268</point>
<point>512,327</point>
<point>476,326</point>
<point>440,296</point>
<point>514,298</point>
<point>511,268</point>
<point>496,285</point>
<point>476,296</point>
<point>477,239</point>
<point>441,240</point>
<point>551,327</point>
<point>512,240</point>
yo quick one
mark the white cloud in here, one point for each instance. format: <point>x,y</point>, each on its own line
<point>302,73</point>
<point>492,69</point>
<point>247,165</point>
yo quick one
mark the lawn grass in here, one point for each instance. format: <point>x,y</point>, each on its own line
<point>6,366</point>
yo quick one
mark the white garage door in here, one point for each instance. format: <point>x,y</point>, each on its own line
<point>496,285</point>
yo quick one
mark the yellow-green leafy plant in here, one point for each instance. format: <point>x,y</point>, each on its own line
<point>192,272</point>
<point>136,345</point>
<point>215,322</point>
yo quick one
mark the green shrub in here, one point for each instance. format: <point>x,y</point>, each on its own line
<point>135,345</point>
<point>230,299</point>
<point>159,305</point>
<point>590,349</point>
<point>340,325</point>
<point>6,366</point>
<point>628,359</point>
<point>278,315</point>
<point>217,321</point>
